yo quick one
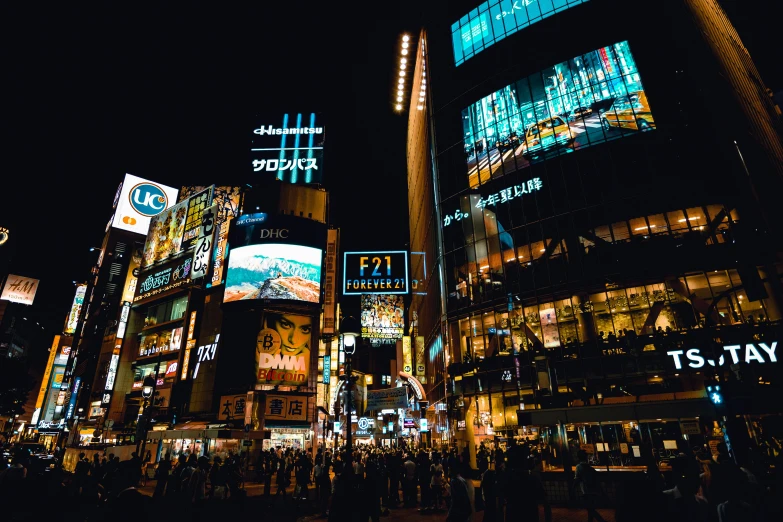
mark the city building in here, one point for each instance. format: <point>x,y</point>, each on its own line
<point>600,204</point>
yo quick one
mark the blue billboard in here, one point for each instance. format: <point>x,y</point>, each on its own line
<point>493,20</point>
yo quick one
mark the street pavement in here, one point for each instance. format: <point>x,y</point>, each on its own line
<point>256,507</point>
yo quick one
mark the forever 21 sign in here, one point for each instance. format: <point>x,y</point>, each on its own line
<point>383,272</point>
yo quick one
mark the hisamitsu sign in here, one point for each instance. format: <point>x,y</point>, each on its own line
<point>389,398</point>
<point>384,272</point>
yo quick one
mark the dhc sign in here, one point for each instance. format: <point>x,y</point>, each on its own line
<point>749,353</point>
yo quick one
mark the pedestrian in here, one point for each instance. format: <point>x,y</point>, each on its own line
<point>339,505</point>
<point>460,508</point>
<point>409,487</point>
<point>588,487</point>
<point>282,478</point>
<point>162,476</point>
<point>436,482</point>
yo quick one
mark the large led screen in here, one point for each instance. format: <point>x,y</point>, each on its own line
<point>581,102</point>
<point>383,317</point>
<point>274,271</point>
<point>493,20</point>
<point>289,147</point>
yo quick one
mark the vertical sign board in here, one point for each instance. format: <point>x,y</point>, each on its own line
<point>20,289</point>
<point>407,359</point>
<point>76,309</point>
<point>203,248</point>
<point>420,356</point>
<point>327,372</point>
<point>330,282</point>
<point>47,372</point>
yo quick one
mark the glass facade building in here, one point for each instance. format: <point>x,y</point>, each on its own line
<point>588,247</point>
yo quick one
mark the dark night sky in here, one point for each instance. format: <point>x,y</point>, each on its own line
<point>166,93</point>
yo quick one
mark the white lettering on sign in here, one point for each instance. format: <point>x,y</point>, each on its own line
<point>274,233</point>
<point>272,131</point>
<point>504,196</point>
<point>750,353</point>
<point>282,362</point>
<point>275,165</point>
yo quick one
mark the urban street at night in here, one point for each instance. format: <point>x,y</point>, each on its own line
<point>446,261</point>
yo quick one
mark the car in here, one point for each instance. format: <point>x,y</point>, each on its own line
<point>547,134</point>
<point>629,112</point>
<point>510,141</point>
<point>581,112</point>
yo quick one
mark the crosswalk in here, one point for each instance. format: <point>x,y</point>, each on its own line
<point>490,162</point>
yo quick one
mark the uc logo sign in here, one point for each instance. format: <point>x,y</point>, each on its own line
<point>148,199</point>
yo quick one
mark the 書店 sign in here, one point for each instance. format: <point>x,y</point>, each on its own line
<point>383,272</point>
<point>286,407</point>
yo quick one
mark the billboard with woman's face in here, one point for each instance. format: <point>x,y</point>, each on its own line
<point>283,349</point>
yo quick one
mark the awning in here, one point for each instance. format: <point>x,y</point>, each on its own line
<point>617,412</point>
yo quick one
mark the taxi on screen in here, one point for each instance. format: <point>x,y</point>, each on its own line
<point>629,112</point>
<point>547,134</point>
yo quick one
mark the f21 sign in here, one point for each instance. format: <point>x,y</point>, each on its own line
<point>384,272</point>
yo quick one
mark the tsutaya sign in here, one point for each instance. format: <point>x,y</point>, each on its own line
<point>737,352</point>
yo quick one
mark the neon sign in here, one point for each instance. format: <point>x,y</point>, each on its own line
<point>752,352</point>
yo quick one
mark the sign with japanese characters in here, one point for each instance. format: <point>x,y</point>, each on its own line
<point>286,407</point>
<point>164,279</point>
<point>382,319</point>
<point>203,250</point>
<point>138,201</point>
<point>388,398</point>
<point>76,309</point>
<point>175,230</point>
<point>493,200</point>
<point>232,407</point>
<point>330,282</point>
<point>20,289</point>
<point>288,148</point>
<point>382,272</point>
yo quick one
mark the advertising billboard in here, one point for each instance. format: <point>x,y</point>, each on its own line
<point>76,310</point>
<point>383,272</point>
<point>279,259</point>
<point>283,349</point>
<point>175,230</point>
<point>330,283</point>
<point>164,278</point>
<point>138,201</point>
<point>227,199</point>
<point>383,318</point>
<point>289,148</point>
<point>589,99</point>
<point>19,289</point>
<point>493,20</point>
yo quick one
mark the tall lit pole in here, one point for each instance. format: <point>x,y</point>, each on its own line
<point>349,332</point>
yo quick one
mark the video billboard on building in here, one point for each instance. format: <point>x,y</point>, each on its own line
<point>138,200</point>
<point>283,349</point>
<point>176,230</point>
<point>289,147</point>
<point>279,259</point>
<point>383,318</point>
<point>589,99</point>
<point>493,20</point>
<point>379,272</point>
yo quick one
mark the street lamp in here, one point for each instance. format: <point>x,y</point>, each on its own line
<point>147,391</point>
<point>349,331</point>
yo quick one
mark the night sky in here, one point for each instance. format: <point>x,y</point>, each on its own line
<point>167,93</point>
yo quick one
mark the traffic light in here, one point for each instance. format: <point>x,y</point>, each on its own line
<point>714,393</point>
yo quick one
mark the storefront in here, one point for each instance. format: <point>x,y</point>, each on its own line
<point>288,437</point>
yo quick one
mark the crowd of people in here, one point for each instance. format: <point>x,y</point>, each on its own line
<point>365,482</point>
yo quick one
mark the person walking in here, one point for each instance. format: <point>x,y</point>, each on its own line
<point>587,486</point>
<point>409,488</point>
<point>436,482</point>
<point>162,476</point>
<point>460,508</point>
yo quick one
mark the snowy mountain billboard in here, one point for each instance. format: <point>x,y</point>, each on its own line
<point>279,259</point>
